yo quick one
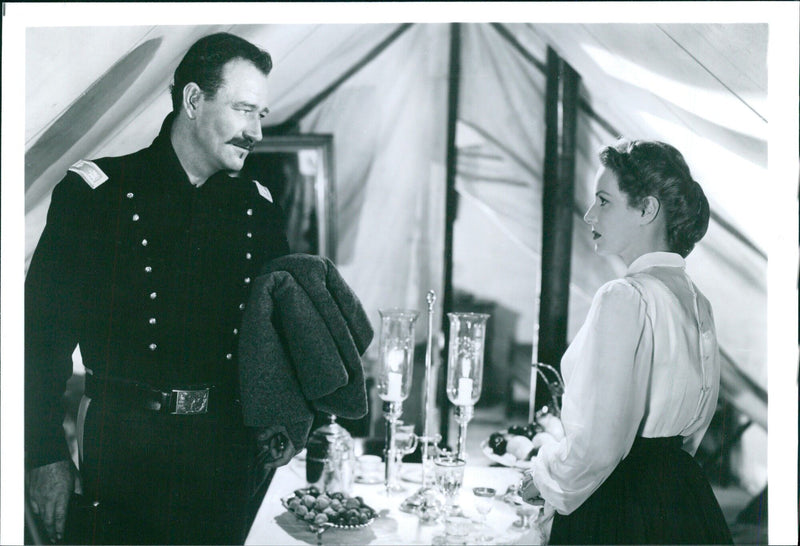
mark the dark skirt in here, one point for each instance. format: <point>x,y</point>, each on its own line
<point>656,495</point>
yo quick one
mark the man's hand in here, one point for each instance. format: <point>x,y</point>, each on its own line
<point>274,446</point>
<point>49,491</point>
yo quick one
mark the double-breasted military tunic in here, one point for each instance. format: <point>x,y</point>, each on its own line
<point>147,273</point>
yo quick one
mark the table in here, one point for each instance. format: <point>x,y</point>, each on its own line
<point>275,525</point>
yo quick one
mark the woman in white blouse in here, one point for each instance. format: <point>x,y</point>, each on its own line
<point>642,374</point>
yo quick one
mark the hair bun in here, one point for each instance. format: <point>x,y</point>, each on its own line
<point>701,219</point>
<point>645,168</point>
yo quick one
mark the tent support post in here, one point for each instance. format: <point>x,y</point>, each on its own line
<point>561,115</point>
<point>451,211</point>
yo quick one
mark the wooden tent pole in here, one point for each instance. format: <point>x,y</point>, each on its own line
<point>451,211</point>
<point>561,115</point>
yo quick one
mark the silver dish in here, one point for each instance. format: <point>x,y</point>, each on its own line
<point>319,527</point>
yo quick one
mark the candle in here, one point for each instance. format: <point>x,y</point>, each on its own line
<point>464,393</point>
<point>394,386</point>
<point>395,359</point>
<point>466,366</point>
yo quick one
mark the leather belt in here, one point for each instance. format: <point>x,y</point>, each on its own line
<point>186,400</point>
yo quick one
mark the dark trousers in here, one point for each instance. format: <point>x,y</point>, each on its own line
<point>168,479</point>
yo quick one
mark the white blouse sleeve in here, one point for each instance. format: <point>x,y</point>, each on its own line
<point>604,402</point>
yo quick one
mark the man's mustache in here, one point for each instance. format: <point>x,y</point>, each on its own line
<point>245,143</point>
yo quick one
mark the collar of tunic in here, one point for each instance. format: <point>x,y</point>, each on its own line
<point>656,259</point>
<point>166,159</point>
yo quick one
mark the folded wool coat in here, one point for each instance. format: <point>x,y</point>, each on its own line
<point>302,336</point>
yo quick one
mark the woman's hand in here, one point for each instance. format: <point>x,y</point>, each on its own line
<point>553,426</point>
<point>528,490</point>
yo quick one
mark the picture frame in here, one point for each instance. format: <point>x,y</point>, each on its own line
<point>299,172</point>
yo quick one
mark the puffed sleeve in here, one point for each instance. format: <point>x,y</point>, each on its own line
<point>52,307</point>
<point>604,399</point>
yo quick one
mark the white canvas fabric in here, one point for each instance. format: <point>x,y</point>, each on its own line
<point>389,123</point>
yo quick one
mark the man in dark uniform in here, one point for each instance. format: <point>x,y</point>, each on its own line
<point>146,263</point>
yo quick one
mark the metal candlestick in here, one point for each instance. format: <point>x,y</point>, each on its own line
<point>425,501</point>
<point>394,378</point>
<point>465,368</point>
<point>463,416</point>
<point>391,412</point>
<point>427,461</point>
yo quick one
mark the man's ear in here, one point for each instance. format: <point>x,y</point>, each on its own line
<point>192,95</point>
<point>650,209</point>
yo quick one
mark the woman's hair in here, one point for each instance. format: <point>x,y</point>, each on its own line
<point>204,61</point>
<point>651,168</point>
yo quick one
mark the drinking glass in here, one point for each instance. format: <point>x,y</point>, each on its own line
<point>405,443</point>
<point>526,513</point>
<point>484,500</point>
<point>449,474</point>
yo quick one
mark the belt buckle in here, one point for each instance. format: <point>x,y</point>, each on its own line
<point>188,402</point>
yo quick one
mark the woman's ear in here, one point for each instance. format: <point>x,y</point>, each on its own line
<point>650,209</point>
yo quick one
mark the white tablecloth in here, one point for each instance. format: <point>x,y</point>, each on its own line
<point>275,525</point>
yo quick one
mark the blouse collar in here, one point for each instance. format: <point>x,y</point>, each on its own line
<point>653,259</point>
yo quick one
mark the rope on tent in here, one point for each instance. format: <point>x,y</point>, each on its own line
<point>756,389</point>
<point>710,73</point>
<point>294,119</point>
<point>509,37</point>
<point>587,108</point>
<point>531,58</point>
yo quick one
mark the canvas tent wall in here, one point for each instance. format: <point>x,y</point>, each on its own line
<point>381,91</point>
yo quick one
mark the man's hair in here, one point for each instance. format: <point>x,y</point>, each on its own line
<point>204,61</point>
<point>652,168</point>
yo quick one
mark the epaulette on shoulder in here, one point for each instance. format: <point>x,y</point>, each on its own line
<point>90,172</point>
<point>263,191</point>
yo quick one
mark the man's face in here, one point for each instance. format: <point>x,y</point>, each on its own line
<point>229,124</point>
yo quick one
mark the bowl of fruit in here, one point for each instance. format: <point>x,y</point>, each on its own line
<point>517,445</point>
<point>329,510</point>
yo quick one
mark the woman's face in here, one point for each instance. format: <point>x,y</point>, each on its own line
<point>615,225</point>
